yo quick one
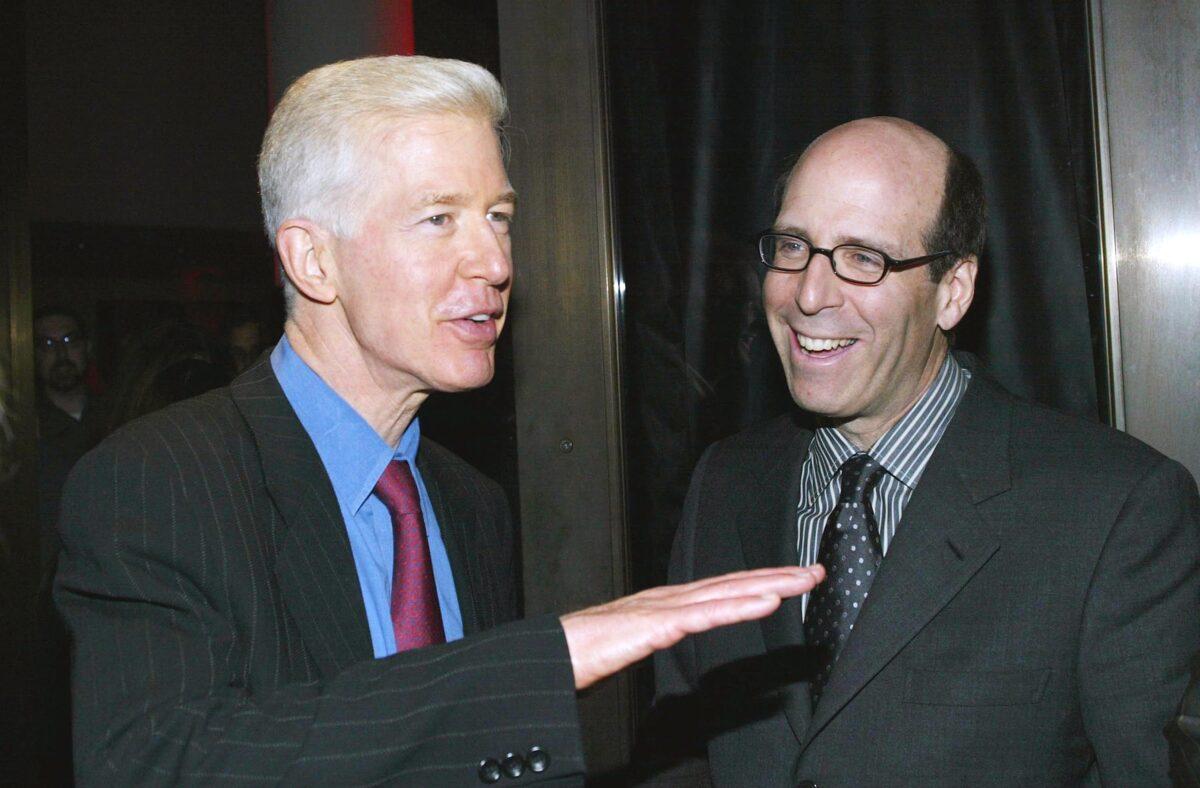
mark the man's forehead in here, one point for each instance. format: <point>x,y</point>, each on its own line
<point>414,151</point>
<point>869,168</point>
<point>55,325</point>
<point>503,194</point>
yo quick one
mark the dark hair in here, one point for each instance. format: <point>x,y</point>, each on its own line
<point>961,224</point>
<point>57,309</point>
<point>168,362</point>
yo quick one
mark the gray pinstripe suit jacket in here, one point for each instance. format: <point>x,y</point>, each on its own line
<point>218,625</point>
<point>1031,623</point>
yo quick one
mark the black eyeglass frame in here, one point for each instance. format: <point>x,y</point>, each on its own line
<point>889,263</point>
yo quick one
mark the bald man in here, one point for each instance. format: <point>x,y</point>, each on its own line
<point>1012,594</point>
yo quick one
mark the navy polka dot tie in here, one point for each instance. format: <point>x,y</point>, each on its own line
<point>850,552</point>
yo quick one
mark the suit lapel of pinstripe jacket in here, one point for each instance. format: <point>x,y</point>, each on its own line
<point>940,543</point>
<point>767,525</point>
<point>314,567</point>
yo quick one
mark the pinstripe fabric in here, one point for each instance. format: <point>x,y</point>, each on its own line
<point>903,451</point>
<point>219,630</point>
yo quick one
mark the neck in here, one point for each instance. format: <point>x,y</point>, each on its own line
<point>339,361</point>
<point>864,433</point>
<point>70,402</point>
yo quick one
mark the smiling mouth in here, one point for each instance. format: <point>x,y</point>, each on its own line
<point>819,347</point>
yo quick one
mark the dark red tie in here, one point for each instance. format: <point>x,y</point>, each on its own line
<point>416,615</point>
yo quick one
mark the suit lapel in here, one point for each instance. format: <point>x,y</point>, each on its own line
<point>458,530</point>
<point>767,525</point>
<point>314,566</point>
<point>940,543</point>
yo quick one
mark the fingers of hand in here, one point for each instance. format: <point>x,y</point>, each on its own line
<point>783,582</point>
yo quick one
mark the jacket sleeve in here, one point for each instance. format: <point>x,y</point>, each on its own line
<point>161,645</point>
<point>1141,626</point>
<point>1183,732</point>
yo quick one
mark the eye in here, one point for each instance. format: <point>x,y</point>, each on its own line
<point>502,218</point>
<point>439,220</point>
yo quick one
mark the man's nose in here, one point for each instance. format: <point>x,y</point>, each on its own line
<point>488,257</point>
<point>818,287</point>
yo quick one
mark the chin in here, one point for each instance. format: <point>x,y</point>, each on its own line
<point>465,380</point>
<point>820,403</point>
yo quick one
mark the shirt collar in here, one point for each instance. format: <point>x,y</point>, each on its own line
<point>353,453</point>
<point>904,450</point>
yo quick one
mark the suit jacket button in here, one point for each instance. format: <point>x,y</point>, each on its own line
<point>489,771</point>
<point>513,765</point>
<point>538,759</point>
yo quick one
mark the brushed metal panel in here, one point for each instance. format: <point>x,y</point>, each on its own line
<point>565,325</point>
<point>1149,65</point>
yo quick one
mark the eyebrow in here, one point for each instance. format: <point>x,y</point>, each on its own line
<point>459,199</point>
<point>852,240</point>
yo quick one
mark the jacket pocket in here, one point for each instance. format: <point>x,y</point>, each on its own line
<point>975,688</point>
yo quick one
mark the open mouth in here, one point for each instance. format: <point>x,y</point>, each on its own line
<point>822,347</point>
<point>480,327</point>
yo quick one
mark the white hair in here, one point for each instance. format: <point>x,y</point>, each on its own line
<point>311,164</point>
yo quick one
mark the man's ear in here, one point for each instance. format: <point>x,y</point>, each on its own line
<point>956,291</point>
<point>306,254</point>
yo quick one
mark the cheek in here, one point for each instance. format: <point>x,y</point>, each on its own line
<point>776,292</point>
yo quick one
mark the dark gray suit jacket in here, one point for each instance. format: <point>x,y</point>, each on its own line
<point>1031,623</point>
<point>219,630</point>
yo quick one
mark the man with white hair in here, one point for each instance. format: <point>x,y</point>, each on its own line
<point>281,581</point>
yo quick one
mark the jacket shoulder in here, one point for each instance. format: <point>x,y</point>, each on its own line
<point>778,437</point>
<point>203,430</point>
<point>1044,438</point>
<point>448,466</point>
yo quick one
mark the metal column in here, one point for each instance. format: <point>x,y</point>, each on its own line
<point>1146,69</point>
<point>565,333</point>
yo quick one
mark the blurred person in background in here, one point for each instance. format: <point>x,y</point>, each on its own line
<point>71,419</point>
<point>246,339</point>
<point>171,361</point>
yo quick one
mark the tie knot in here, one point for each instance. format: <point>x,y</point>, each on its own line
<point>859,474</point>
<point>398,490</point>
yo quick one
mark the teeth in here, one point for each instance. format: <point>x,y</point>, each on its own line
<point>816,345</point>
<point>478,318</point>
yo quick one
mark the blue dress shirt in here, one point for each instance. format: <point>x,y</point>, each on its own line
<point>355,456</point>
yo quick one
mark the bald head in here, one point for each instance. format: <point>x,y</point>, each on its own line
<point>885,156</point>
<point>889,142</point>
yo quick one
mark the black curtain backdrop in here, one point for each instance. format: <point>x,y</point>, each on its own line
<point>711,100</point>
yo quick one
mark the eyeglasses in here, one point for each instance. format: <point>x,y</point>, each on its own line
<point>66,342</point>
<point>860,265</point>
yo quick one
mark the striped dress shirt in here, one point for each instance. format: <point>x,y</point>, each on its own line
<point>903,451</point>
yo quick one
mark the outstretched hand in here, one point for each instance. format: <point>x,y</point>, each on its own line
<point>609,637</point>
